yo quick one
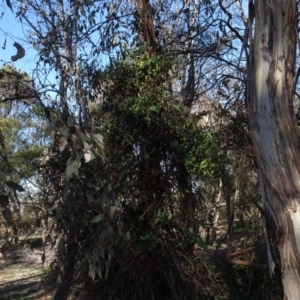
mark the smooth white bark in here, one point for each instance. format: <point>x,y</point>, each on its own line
<point>274,130</point>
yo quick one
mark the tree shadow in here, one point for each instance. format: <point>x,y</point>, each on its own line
<point>20,288</point>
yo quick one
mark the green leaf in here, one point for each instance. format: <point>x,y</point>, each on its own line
<point>112,210</point>
<point>9,5</point>
<point>82,264</point>
<point>82,136</point>
<point>69,171</point>
<point>50,131</point>
<point>4,200</point>
<point>63,142</point>
<point>69,161</point>
<point>73,164</point>
<point>53,117</point>
<point>77,163</point>
<point>14,186</point>
<point>97,219</point>
<point>7,214</point>
<point>20,51</point>
<point>86,146</point>
<point>4,45</point>
<point>110,252</point>
<point>99,271</point>
<point>64,131</point>
<point>71,121</point>
<point>99,140</point>
<point>107,267</point>
<point>92,270</point>
<point>75,171</point>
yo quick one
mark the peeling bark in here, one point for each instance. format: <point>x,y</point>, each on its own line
<point>273,129</point>
<point>146,25</point>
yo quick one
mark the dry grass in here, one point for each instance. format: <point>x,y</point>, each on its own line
<point>21,274</point>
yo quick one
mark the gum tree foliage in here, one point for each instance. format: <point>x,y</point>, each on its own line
<point>141,191</point>
<point>143,127</point>
<point>157,156</point>
<point>69,37</point>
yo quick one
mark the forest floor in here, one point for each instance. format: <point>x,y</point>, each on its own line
<point>21,274</point>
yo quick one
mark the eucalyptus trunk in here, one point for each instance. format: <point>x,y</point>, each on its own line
<point>273,128</point>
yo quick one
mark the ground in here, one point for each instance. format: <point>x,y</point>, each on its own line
<point>21,274</point>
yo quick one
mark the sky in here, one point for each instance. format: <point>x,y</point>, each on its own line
<point>12,30</point>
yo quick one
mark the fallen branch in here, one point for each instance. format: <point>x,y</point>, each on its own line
<point>239,252</point>
<point>246,264</point>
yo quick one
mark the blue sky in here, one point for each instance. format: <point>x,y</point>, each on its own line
<point>12,30</point>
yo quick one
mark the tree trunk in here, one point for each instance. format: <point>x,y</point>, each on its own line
<point>273,129</point>
<point>146,29</point>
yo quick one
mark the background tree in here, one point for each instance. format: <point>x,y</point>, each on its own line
<point>21,145</point>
